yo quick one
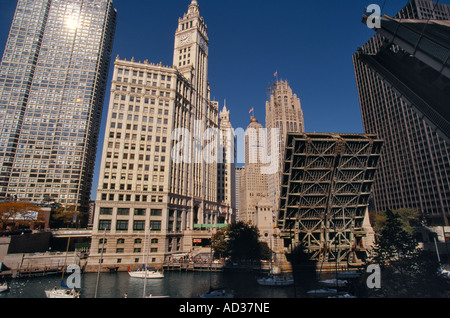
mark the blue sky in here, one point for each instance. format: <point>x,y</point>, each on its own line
<point>309,43</point>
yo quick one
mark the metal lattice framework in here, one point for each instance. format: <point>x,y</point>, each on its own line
<point>325,192</point>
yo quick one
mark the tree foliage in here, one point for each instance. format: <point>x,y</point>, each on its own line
<point>409,220</point>
<point>393,241</point>
<point>17,214</point>
<point>240,242</point>
<point>406,270</point>
<point>63,216</point>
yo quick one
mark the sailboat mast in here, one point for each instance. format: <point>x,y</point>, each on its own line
<point>146,262</point>
<point>65,260</point>
<point>100,263</point>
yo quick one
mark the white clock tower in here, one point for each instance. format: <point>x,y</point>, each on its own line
<point>191,48</point>
<point>196,112</point>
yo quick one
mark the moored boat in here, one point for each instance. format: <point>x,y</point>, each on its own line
<point>4,287</point>
<point>62,293</point>
<point>273,280</point>
<point>348,274</point>
<point>149,273</point>
<point>153,296</point>
<point>218,293</point>
<point>324,292</point>
<point>333,282</point>
<point>444,271</point>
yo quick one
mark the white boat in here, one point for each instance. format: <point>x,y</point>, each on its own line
<point>275,281</point>
<point>148,273</point>
<point>153,296</point>
<point>333,283</point>
<point>4,287</point>
<point>324,292</point>
<point>348,274</point>
<point>219,293</point>
<point>444,271</point>
<point>345,295</point>
<point>62,293</point>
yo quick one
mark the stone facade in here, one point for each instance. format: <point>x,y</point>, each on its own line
<point>157,172</point>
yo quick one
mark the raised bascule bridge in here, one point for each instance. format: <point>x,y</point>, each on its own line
<point>326,187</point>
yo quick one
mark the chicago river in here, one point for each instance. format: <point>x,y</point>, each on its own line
<point>175,285</point>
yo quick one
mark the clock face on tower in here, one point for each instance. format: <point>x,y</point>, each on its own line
<point>185,39</point>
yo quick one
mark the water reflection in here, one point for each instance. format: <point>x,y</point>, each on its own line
<point>175,285</point>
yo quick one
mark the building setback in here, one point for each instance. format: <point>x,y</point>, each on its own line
<point>53,79</point>
<point>158,170</point>
<point>239,172</point>
<point>253,179</point>
<point>226,173</point>
<point>404,100</point>
<point>284,114</point>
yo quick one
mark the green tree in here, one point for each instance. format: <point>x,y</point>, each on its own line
<point>406,270</point>
<point>63,216</point>
<point>265,251</point>
<point>240,242</point>
<point>409,220</point>
<point>19,214</point>
<point>243,243</point>
<point>219,243</point>
<point>392,240</point>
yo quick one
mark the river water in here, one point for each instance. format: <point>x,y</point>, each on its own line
<point>175,284</point>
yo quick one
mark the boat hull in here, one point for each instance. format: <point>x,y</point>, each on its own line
<point>149,274</point>
<point>322,293</point>
<point>217,294</point>
<point>61,293</point>
<point>333,283</point>
<point>275,282</point>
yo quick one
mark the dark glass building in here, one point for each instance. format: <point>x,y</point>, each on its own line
<point>403,81</point>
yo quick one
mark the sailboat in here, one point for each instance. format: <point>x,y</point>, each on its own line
<point>333,282</point>
<point>214,293</point>
<point>338,282</point>
<point>64,291</point>
<point>217,293</point>
<point>4,287</point>
<point>146,272</point>
<point>273,278</point>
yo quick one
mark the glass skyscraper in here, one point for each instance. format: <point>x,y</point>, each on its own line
<point>404,98</point>
<point>53,79</point>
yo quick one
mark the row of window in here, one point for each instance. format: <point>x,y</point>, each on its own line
<point>123,225</point>
<point>126,211</point>
<point>121,241</point>
<point>130,117</point>
<point>154,76</point>
<point>137,197</point>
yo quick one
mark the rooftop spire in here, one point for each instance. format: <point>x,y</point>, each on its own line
<point>194,3</point>
<point>193,7</point>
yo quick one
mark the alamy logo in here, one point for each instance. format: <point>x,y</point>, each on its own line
<point>374,279</point>
<point>374,19</point>
<point>74,280</point>
<point>215,145</point>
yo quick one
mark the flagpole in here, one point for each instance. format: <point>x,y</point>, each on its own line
<point>252,111</point>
